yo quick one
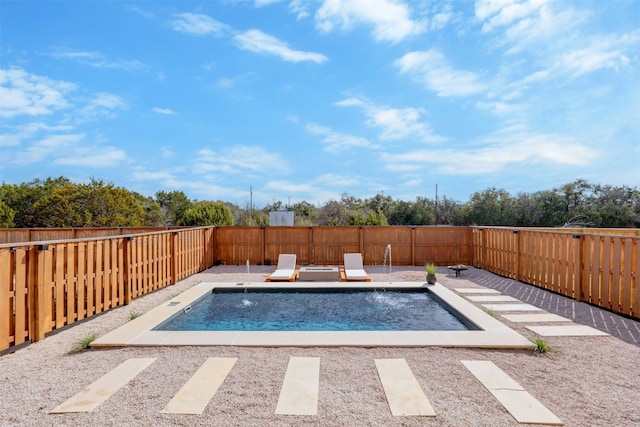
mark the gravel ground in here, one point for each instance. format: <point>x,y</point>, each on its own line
<point>585,381</point>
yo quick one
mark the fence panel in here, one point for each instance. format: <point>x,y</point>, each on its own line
<point>287,240</point>
<point>331,243</point>
<point>236,245</point>
<point>377,239</point>
<point>441,245</point>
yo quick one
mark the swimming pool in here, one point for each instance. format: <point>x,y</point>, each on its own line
<point>317,310</point>
<point>490,332</point>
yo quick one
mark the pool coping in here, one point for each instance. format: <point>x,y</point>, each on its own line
<point>138,332</point>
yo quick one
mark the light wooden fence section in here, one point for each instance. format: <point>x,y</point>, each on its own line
<point>21,235</point>
<point>600,269</point>
<point>48,285</point>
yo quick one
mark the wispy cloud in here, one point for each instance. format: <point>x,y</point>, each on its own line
<point>497,153</point>
<point>96,59</point>
<point>163,111</point>
<point>396,123</point>
<point>300,8</point>
<point>23,93</point>
<point>238,159</point>
<point>92,157</point>
<point>199,24</point>
<point>434,71</point>
<point>259,42</point>
<point>335,141</point>
<point>391,19</point>
<point>100,105</point>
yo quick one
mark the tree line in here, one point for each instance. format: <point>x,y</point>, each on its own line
<point>58,202</point>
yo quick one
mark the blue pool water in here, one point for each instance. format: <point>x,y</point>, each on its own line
<point>316,310</point>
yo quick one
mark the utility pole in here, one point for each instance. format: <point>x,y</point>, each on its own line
<point>436,204</point>
<point>250,199</point>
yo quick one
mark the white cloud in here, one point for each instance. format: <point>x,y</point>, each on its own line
<point>432,69</point>
<point>396,123</point>
<point>391,19</point>
<point>605,52</point>
<point>27,131</point>
<point>97,59</point>
<point>92,157</point>
<point>198,24</point>
<point>522,23</point>
<point>101,105</point>
<point>259,42</point>
<point>336,142</point>
<point>45,149</point>
<point>498,153</point>
<point>164,111</point>
<point>28,94</point>
<point>238,159</point>
<point>299,8</point>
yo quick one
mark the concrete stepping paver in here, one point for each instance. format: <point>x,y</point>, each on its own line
<point>299,393</point>
<point>492,298</point>
<point>404,394</point>
<point>511,307</point>
<point>92,396</point>
<point>476,291</point>
<point>535,317</point>
<point>195,395</point>
<point>566,331</point>
<point>523,406</point>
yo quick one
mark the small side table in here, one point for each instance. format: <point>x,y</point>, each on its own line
<point>458,268</point>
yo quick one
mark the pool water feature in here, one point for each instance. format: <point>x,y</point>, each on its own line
<point>317,310</point>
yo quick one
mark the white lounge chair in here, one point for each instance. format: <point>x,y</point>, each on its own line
<point>354,268</point>
<point>285,270</point>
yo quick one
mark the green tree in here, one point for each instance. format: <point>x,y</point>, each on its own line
<point>6,215</point>
<point>491,207</point>
<point>22,198</point>
<point>207,213</point>
<point>173,205</point>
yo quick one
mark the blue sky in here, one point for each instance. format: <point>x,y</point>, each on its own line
<point>307,100</point>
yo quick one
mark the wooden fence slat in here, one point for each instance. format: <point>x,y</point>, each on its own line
<point>6,299</point>
<point>71,281</point>
<point>59,292</point>
<point>81,284</point>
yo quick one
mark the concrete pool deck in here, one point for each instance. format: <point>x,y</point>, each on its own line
<point>139,331</point>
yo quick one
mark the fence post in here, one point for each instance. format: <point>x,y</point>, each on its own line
<point>413,246</point>
<point>173,258</point>
<point>39,319</point>
<point>577,269</point>
<point>126,265</point>
<point>517,260</point>
<point>311,247</point>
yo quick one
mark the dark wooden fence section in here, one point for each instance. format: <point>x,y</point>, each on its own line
<point>327,245</point>
<point>600,269</point>
<point>45,285</point>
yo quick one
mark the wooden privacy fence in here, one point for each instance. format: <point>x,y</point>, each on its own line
<point>48,285</point>
<point>327,245</point>
<point>596,268</point>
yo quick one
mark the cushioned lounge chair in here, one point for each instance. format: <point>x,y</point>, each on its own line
<point>354,269</point>
<point>285,270</point>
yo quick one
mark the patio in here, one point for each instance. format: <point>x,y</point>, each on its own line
<point>586,380</point>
